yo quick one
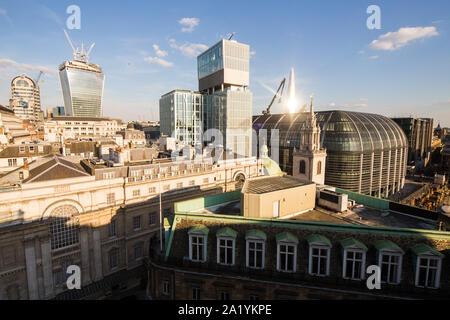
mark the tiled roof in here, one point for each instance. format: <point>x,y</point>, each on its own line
<point>271,184</point>
<point>55,168</point>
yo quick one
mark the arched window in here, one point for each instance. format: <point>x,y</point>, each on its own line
<point>302,167</point>
<point>64,227</point>
<point>319,167</point>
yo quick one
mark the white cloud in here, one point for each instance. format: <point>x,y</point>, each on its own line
<point>395,40</point>
<point>332,105</point>
<point>252,53</point>
<point>160,53</point>
<point>159,61</point>
<point>373,57</point>
<point>23,67</point>
<point>188,24</point>
<point>361,52</point>
<point>188,49</point>
<point>4,14</point>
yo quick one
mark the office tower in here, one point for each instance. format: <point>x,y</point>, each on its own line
<point>420,134</point>
<point>181,116</point>
<point>58,111</point>
<point>25,97</point>
<point>223,75</point>
<point>82,85</point>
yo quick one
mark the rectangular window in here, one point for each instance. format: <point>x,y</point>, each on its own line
<point>166,288</point>
<point>224,295</point>
<point>137,252</point>
<point>225,251</point>
<point>166,187</point>
<point>113,259</point>
<point>206,180</point>
<point>179,185</point>
<point>31,148</point>
<point>152,218</point>
<point>108,175</point>
<point>318,263</point>
<point>112,228</point>
<point>353,264</point>
<point>12,162</point>
<point>287,254</point>
<point>197,248</point>
<point>110,198</point>
<point>195,293</point>
<point>428,272</point>
<point>192,183</point>
<point>137,222</point>
<point>255,254</point>
<point>390,268</point>
<point>136,193</point>
<point>152,190</point>
<point>22,149</point>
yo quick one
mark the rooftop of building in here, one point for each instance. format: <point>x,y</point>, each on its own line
<point>229,204</point>
<point>6,109</point>
<point>71,118</point>
<point>180,90</point>
<point>272,183</point>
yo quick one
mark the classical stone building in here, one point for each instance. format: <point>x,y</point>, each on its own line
<point>56,213</point>
<point>213,252</point>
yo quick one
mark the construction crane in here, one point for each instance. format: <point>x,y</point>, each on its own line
<point>232,35</point>
<point>77,54</point>
<point>281,87</point>
<point>39,77</point>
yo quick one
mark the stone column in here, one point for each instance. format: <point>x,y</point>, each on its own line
<point>97,255</point>
<point>47,268</point>
<point>85,262</point>
<point>30,260</point>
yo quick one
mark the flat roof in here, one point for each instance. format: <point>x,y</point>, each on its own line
<point>271,184</point>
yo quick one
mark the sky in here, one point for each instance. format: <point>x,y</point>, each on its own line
<point>148,48</point>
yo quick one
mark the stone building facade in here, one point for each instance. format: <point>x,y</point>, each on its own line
<point>234,257</point>
<point>104,220</point>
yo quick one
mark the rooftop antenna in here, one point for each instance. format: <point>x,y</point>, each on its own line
<point>232,35</point>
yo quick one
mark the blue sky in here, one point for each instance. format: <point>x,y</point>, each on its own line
<point>400,70</point>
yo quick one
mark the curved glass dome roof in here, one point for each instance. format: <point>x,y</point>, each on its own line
<point>341,130</point>
<point>366,152</point>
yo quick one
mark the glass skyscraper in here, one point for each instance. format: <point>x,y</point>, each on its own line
<point>222,105</point>
<point>180,114</point>
<point>223,74</point>
<point>82,86</point>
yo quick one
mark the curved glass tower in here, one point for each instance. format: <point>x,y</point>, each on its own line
<point>82,86</point>
<point>366,153</point>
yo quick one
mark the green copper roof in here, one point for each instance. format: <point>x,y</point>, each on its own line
<point>199,229</point>
<point>318,239</point>
<point>271,168</point>
<point>255,234</point>
<point>387,245</point>
<point>287,237</point>
<point>422,248</point>
<point>226,232</point>
<point>351,242</point>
